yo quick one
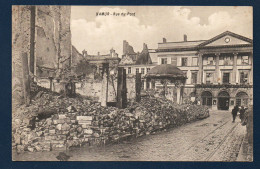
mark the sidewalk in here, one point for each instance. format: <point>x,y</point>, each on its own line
<point>245,152</point>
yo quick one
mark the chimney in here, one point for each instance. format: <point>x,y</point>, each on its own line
<point>164,40</point>
<point>125,44</point>
<point>84,52</point>
<point>185,38</point>
<point>112,52</point>
<point>98,54</point>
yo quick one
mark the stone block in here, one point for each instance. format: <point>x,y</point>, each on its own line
<point>64,132</point>
<point>84,126</point>
<point>61,137</point>
<point>65,127</point>
<point>31,149</point>
<point>84,122</point>
<point>88,131</point>
<point>55,121</point>
<point>38,148</point>
<point>52,131</point>
<point>60,121</point>
<point>58,127</point>
<point>84,118</point>
<point>62,116</point>
<point>67,120</point>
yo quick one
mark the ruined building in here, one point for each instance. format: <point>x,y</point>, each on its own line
<point>41,35</point>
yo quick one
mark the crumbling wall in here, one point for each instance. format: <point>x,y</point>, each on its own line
<point>53,36</point>
<point>20,44</point>
<point>93,88</point>
<point>52,39</point>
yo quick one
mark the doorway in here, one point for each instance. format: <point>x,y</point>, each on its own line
<point>223,100</point>
<point>206,97</point>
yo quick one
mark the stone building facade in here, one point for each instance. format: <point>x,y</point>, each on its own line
<point>219,70</point>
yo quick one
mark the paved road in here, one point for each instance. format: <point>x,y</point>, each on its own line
<point>213,139</point>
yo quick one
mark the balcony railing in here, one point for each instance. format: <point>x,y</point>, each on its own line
<point>223,86</point>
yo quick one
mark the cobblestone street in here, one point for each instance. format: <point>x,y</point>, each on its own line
<point>213,139</point>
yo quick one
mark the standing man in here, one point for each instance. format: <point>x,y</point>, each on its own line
<point>234,113</point>
<point>242,113</point>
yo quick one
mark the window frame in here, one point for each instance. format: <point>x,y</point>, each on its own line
<point>142,71</point>
<point>164,61</point>
<point>129,70</point>
<point>211,80</point>
<point>136,70</point>
<point>184,62</point>
<point>192,63</point>
<point>245,73</point>
<point>192,80</point>
<point>226,82</point>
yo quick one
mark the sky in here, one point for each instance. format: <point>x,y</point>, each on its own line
<point>149,24</point>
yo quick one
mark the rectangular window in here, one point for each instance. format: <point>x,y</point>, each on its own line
<point>209,78</point>
<point>225,60</point>
<point>243,77</point>
<point>142,70</point>
<point>244,60</point>
<point>147,70</point>
<point>129,70</point>
<point>174,61</point>
<point>194,77</point>
<point>137,70</point>
<point>164,60</point>
<point>210,60</point>
<point>194,61</point>
<point>226,77</point>
<point>184,61</point>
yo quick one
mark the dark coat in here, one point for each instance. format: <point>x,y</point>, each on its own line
<point>235,110</point>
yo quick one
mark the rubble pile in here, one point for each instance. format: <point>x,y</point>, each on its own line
<point>75,122</point>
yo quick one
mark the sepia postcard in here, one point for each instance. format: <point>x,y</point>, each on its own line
<point>132,83</point>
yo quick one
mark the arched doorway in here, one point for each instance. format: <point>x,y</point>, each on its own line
<point>206,97</point>
<point>242,99</point>
<point>223,100</point>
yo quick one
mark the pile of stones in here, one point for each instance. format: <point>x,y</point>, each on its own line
<point>61,123</point>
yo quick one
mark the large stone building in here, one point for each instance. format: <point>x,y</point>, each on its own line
<point>219,70</point>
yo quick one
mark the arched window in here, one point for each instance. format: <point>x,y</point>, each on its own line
<point>242,99</point>
<point>206,98</point>
<point>223,94</point>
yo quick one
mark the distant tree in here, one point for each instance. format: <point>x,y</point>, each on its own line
<point>84,68</point>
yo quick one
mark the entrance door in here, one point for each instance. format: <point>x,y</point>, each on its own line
<point>223,101</point>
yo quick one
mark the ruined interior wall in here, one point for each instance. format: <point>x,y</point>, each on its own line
<point>93,88</point>
<point>65,36</point>
<point>52,30</point>
<point>53,36</point>
<point>20,44</point>
<point>47,27</point>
